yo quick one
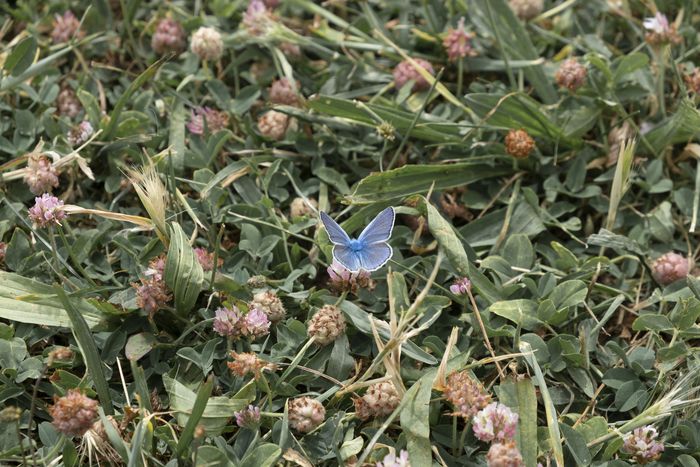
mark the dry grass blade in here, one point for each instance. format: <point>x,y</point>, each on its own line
<point>621,179</point>
<point>153,195</point>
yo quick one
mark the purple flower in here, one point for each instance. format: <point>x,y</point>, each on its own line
<point>256,323</point>
<point>257,18</point>
<point>495,422</point>
<point>248,417</point>
<point>461,286</point>
<point>458,42</point>
<point>227,321</point>
<point>390,460</point>
<point>47,211</point>
<point>658,24</point>
<point>344,280</point>
<point>642,444</point>
<point>80,134</point>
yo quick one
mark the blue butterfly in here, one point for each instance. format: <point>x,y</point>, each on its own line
<point>370,251</point>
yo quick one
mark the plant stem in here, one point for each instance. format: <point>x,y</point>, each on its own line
<point>483,332</point>
<point>73,259</point>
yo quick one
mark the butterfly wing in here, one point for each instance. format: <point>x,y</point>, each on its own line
<point>373,257</point>
<point>335,232</point>
<point>349,259</point>
<point>379,230</point>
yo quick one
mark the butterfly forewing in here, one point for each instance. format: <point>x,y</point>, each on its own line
<point>379,230</point>
<point>335,232</point>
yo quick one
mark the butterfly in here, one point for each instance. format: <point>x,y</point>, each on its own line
<point>370,251</point>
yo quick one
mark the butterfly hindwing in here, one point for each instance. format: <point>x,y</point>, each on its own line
<point>349,259</point>
<point>373,257</point>
<point>335,232</point>
<point>379,230</point>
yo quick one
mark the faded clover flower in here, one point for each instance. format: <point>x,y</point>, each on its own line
<point>207,44</point>
<point>67,103</point>
<point>326,325</point>
<point>207,118</point>
<point>41,176</point>
<point>380,400</point>
<point>495,422</point>
<point>80,134</point>
<point>269,303</point>
<point>47,211</point>
<point>526,9</point>
<point>285,92</point>
<point>206,259</point>
<point>247,363</point>
<point>504,454</point>
<point>257,18</point>
<point>151,295</point>
<point>571,74</point>
<point>305,414</point>
<point>299,207</point>
<point>466,395</point>
<point>74,413</point>
<point>273,125</point>
<point>519,144</point>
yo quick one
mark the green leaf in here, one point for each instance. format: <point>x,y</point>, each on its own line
<point>569,293</point>
<point>265,455</point>
<point>518,251</point>
<point>29,301</point>
<point>139,345</point>
<point>177,135</point>
<point>628,64</point>
<point>198,407</point>
<point>183,273</point>
<point>415,421</point>
<point>652,322</point>
<point>521,312</point>
<point>88,349</point>
<point>447,239</point>
<point>21,57</point>
<point>576,444</point>
<point>520,395</point>
<point>419,179</point>
<point>618,242</point>
<point>678,128</point>
<point>34,70</point>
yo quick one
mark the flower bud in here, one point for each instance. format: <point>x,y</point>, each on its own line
<point>326,325</point>
<point>305,414</point>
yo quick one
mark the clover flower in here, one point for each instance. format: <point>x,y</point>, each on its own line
<point>257,18</point>
<point>504,454</point>
<point>207,44</point>
<point>41,175</point>
<point>168,37</point>
<point>326,325</point>
<point>660,31</point>
<point>206,259</point>
<point>519,144</point>
<point>526,9</point>
<point>207,118</point>
<point>247,363</point>
<point>299,207</point>
<point>495,422</point>
<point>255,323</point>
<point>67,103</point>
<point>285,92</point>
<point>380,400</point>
<point>466,395</point>
<point>461,286</point>
<point>74,413</point>
<point>344,280</point>
<point>151,295</point>
<point>405,72</point>
<point>248,417</point>
<point>65,26</point>
<point>268,302</point>
<point>392,460</point>
<point>458,43</point>
<point>670,267</point>
<point>226,321</point>
<point>571,74</point>
<point>47,211</point>
<point>642,444</point>
<point>80,134</point>
<point>305,414</point>
<point>273,125</point>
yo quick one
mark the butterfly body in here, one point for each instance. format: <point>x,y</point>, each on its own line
<point>370,251</point>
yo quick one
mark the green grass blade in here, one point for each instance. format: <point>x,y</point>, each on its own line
<point>200,404</point>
